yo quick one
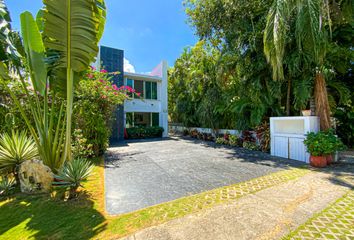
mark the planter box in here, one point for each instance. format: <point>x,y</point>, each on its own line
<point>288,135</point>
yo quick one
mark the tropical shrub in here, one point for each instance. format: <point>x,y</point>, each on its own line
<point>81,149</point>
<point>235,141</point>
<point>57,47</point>
<point>96,100</point>
<point>144,132</point>
<point>7,185</point>
<point>221,140</point>
<point>73,174</point>
<point>263,135</point>
<point>15,148</point>
<point>323,143</point>
<point>345,124</point>
<point>251,146</point>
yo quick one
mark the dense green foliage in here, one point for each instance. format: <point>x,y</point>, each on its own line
<point>54,51</point>
<point>323,143</point>
<point>226,75</point>
<point>96,98</point>
<point>144,132</point>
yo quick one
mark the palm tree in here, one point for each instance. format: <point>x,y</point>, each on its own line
<point>311,23</point>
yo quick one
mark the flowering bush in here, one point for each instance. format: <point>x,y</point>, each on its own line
<point>96,100</point>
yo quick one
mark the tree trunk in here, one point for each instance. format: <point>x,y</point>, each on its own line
<point>288,98</point>
<point>321,100</point>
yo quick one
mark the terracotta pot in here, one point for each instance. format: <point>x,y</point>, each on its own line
<point>318,161</point>
<point>329,159</point>
<point>306,113</point>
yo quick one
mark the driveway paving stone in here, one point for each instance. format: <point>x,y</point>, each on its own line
<point>143,173</point>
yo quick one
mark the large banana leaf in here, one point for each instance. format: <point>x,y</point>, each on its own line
<point>72,29</point>
<point>35,51</point>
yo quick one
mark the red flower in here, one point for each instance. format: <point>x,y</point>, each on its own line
<point>138,94</point>
<point>104,71</point>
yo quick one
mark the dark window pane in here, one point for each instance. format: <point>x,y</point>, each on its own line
<point>139,87</point>
<point>148,90</point>
<point>130,83</point>
<point>155,119</point>
<point>129,120</point>
<point>142,119</point>
<point>154,90</point>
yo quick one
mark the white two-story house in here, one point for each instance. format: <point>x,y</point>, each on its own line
<point>151,107</point>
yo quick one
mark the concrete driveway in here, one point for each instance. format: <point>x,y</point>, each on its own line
<point>148,172</point>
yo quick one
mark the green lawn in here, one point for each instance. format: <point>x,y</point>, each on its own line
<point>44,217</point>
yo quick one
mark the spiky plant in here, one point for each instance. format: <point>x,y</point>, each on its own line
<point>15,148</point>
<point>6,185</point>
<point>73,173</point>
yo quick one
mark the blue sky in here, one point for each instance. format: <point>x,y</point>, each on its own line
<point>147,30</point>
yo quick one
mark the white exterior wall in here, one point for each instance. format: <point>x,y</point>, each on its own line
<point>288,135</point>
<point>149,105</point>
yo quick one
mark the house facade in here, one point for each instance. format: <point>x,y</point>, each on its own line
<point>151,107</point>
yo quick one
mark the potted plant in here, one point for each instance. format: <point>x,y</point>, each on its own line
<point>318,145</point>
<point>321,146</point>
<point>335,144</point>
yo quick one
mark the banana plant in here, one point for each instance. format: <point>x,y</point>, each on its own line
<point>59,46</point>
<point>72,28</point>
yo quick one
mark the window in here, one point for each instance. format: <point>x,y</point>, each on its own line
<point>130,83</point>
<point>155,119</point>
<point>139,87</point>
<point>140,119</point>
<point>151,90</point>
<point>154,90</point>
<point>147,90</point>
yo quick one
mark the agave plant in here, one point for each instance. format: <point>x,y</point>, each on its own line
<point>15,148</point>
<point>73,173</point>
<point>6,185</point>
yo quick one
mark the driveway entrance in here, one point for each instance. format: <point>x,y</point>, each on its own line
<point>144,173</point>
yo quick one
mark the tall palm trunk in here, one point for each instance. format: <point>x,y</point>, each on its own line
<point>321,100</point>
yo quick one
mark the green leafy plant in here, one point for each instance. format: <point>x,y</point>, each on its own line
<point>144,132</point>
<point>251,146</point>
<point>221,140</point>
<point>72,174</point>
<point>58,48</point>
<point>15,148</point>
<point>323,143</point>
<point>96,99</point>
<point>7,186</point>
<point>263,134</point>
<point>235,141</point>
<point>81,148</point>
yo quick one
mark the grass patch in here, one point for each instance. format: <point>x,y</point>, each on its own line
<point>335,220</point>
<point>44,217</point>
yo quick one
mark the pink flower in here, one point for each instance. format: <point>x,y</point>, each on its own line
<point>90,75</point>
<point>104,71</point>
<point>104,96</point>
<point>138,94</point>
<point>102,81</point>
<point>115,87</point>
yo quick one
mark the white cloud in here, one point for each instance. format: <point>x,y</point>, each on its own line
<point>128,67</point>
